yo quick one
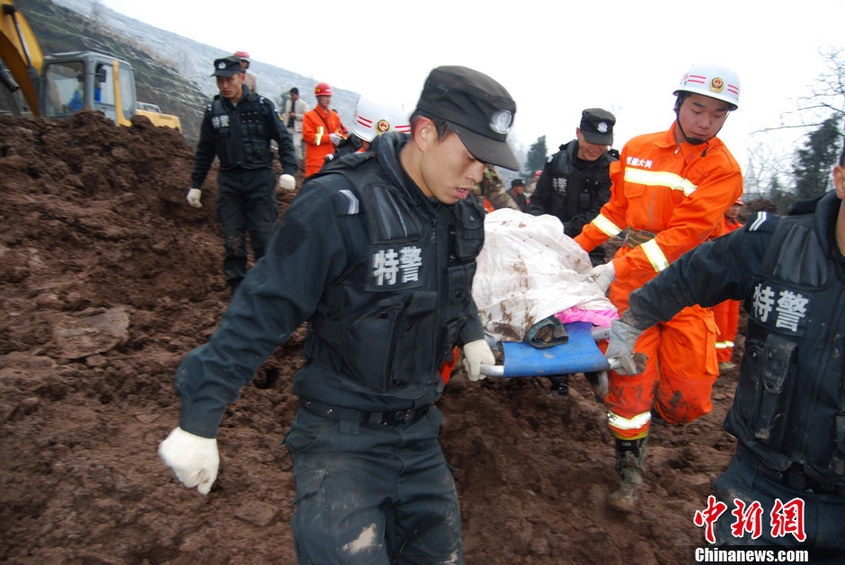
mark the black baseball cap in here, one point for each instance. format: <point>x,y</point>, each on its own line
<point>227,66</point>
<point>517,182</point>
<point>478,107</point>
<point>597,126</point>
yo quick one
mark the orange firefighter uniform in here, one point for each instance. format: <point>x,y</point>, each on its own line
<point>671,197</point>
<point>726,314</point>
<point>317,125</point>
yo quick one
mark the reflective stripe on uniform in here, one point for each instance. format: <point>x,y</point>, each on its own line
<point>607,227</point>
<point>319,136</point>
<point>655,255</point>
<point>659,178</point>
<point>639,421</point>
<point>724,344</point>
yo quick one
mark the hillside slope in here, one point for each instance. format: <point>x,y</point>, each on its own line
<point>170,70</point>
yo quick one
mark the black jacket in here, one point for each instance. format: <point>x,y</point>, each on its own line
<point>789,406</point>
<point>239,135</point>
<point>382,274</point>
<point>572,189</point>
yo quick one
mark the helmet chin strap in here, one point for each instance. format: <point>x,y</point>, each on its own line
<point>691,140</point>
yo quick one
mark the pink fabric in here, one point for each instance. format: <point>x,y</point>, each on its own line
<point>596,317</point>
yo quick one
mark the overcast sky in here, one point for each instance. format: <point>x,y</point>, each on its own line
<point>555,58</point>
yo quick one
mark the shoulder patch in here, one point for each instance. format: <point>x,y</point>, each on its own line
<point>762,222</point>
<point>346,202</point>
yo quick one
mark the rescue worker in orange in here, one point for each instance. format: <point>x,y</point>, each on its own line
<point>322,130</point>
<point>726,314</point>
<point>670,190</point>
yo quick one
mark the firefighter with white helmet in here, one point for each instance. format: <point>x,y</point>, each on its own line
<point>669,191</point>
<point>719,83</point>
<point>372,119</point>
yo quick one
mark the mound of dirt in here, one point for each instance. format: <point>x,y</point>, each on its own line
<point>108,278</point>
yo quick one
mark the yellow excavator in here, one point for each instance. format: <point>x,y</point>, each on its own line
<point>61,84</point>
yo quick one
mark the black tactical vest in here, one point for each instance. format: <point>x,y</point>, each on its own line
<point>790,400</point>
<point>387,324</point>
<point>242,134</point>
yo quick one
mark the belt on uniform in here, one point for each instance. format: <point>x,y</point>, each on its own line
<point>792,477</point>
<point>370,419</point>
<point>636,238</point>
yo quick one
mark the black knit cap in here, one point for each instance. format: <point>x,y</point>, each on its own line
<point>479,108</point>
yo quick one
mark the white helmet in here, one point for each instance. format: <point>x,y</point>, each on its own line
<point>719,82</point>
<point>373,118</point>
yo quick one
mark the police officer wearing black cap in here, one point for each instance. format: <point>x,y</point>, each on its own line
<point>237,128</point>
<point>575,183</point>
<point>517,192</point>
<point>377,252</point>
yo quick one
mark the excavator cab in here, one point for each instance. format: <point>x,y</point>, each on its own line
<point>74,80</point>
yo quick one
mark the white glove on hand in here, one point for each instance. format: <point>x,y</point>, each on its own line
<point>194,197</point>
<point>477,353</point>
<point>336,138</point>
<point>287,182</point>
<point>620,351</point>
<point>603,275</point>
<point>194,459</point>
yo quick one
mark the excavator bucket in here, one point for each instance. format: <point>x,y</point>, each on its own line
<point>20,52</point>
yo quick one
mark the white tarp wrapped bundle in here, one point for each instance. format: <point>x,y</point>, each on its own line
<point>529,270</point>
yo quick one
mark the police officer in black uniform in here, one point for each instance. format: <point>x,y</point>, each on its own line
<point>575,183</point>
<point>378,254</point>
<point>237,127</point>
<point>788,413</point>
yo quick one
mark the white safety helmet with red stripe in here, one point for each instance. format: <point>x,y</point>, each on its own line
<point>715,81</point>
<point>373,118</point>
<point>323,89</point>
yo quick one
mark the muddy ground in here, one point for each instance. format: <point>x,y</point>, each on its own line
<point>108,278</point>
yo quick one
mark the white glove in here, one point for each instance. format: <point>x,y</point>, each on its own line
<point>620,351</point>
<point>477,353</point>
<point>194,459</point>
<point>287,182</point>
<point>194,197</point>
<point>603,275</point>
<point>336,138</point>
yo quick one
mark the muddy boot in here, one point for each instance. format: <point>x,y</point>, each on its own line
<point>629,465</point>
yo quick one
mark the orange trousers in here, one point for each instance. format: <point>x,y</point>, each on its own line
<point>677,380</point>
<point>726,315</point>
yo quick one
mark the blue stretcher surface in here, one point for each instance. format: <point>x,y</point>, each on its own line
<point>578,355</point>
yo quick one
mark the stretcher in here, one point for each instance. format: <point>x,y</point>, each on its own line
<point>580,354</point>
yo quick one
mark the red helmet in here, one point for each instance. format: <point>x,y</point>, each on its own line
<point>242,55</point>
<point>323,89</point>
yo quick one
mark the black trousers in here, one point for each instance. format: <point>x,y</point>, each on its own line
<point>246,203</point>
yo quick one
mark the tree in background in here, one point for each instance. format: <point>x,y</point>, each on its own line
<point>536,158</point>
<point>817,158</point>
<point>776,169</point>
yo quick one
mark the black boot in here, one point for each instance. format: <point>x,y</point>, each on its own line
<point>560,386</point>
<point>630,454</point>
